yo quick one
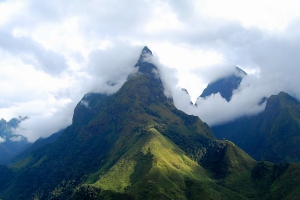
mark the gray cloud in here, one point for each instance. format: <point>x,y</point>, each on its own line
<point>216,110</point>
<point>273,54</point>
<point>214,72</point>
<point>168,78</point>
<point>109,69</point>
<point>44,125</point>
<point>33,53</point>
<point>106,73</point>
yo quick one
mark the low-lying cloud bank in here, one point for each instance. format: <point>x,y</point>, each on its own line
<point>247,100</point>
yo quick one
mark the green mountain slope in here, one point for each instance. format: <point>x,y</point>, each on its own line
<point>100,134</point>
<point>273,135</point>
<point>41,142</point>
<point>155,164</point>
<point>135,144</point>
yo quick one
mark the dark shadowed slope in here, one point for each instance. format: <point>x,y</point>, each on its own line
<point>10,143</point>
<point>273,135</point>
<point>37,144</point>
<point>225,85</point>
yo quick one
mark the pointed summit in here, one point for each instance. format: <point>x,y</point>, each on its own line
<point>145,63</point>
<point>145,55</point>
<point>225,85</point>
<point>240,72</point>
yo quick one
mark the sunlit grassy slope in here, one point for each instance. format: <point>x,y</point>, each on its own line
<point>155,165</point>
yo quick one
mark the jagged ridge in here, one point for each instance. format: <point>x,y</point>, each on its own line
<point>136,145</point>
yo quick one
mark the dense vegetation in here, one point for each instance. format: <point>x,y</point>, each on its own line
<point>273,135</point>
<point>136,145</point>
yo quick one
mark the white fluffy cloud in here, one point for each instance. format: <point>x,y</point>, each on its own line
<point>2,139</point>
<point>53,52</point>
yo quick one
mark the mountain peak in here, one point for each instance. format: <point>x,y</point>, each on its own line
<point>146,50</point>
<point>145,64</point>
<point>240,72</point>
<point>283,94</point>
<point>282,99</point>
<point>146,54</point>
<point>225,85</point>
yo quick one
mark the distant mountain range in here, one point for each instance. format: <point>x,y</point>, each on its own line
<point>135,144</point>
<point>10,143</point>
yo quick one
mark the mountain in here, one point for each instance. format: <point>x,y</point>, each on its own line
<point>10,143</point>
<point>135,144</point>
<point>41,142</point>
<point>273,135</point>
<point>225,85</point>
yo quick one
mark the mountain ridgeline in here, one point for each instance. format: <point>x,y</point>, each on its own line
<point>272,135</point>
<point>135,144</point>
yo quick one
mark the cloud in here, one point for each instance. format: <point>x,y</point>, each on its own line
<point>16,138</point>
<point>85,103</point>
<point>45,124</point>
<point>110,68</point>
<point>106,72</point>
<point>270,57</point>
<point>54,52</point>
<point>33,53</point>
<point>2,139</point>
<point>245,101</point>
<point>167,76</point>
<point>57,114</point>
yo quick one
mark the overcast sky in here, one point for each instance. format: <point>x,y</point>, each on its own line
<point>53,52</point>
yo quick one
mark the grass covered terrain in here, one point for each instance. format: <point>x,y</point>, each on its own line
<point>155,161</point>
